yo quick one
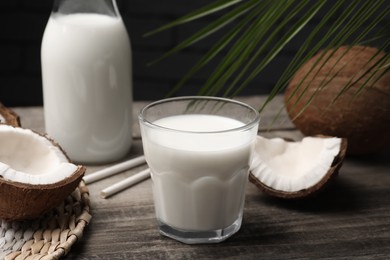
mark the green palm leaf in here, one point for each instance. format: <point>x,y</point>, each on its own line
<point>353,19</point>
<point>216,49</point>
<point>207,10</point>
<point>209,29</point>
<point>262,29</point>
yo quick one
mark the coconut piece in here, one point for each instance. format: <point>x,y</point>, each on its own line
<point>35,174</point>
<point>296,169</point>
<point>9,117</point>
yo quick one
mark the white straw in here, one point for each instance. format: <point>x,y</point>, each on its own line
<point>114,169</point>
<point>130,181</point>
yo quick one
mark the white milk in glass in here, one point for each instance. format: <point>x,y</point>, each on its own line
<point>199,178</point>
<point>86,73</point>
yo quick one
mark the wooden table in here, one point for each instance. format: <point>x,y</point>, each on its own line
<point>349,220</point>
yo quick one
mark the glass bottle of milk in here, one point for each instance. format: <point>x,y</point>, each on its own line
<point>87,80</point>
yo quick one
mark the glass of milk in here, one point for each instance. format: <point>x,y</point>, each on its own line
<point>198,150</point>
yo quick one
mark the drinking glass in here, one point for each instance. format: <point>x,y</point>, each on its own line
<point>198,150</point>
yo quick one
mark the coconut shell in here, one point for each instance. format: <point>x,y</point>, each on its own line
<point>20,201</point>
<point>363,119</point>
<point>315,189</point>
<point>10,117</point>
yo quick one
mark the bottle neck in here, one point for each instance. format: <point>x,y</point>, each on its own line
<point>106,7</point>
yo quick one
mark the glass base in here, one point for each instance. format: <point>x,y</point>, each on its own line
<point>199,237</point>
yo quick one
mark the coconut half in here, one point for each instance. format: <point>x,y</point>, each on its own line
<point>35,174</point>
<point>287,169</point>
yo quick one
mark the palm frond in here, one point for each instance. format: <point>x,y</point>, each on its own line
<point>263,28</point>
<point>352,22</point>
<point>211,28</point>
<point>202,12</point>
<point>217,48</point>
<point>280,44</point>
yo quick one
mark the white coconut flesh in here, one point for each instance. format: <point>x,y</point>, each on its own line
<point>30,158</point>
<point>293,166</point>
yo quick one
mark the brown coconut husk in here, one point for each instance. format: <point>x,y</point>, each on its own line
<point>363,119</point>
<point>22,201</point>
<point>10,117</point>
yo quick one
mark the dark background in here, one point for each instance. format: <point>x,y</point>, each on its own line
<point>22,23</point>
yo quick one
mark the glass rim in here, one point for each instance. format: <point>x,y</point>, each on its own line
<point>246,126</point>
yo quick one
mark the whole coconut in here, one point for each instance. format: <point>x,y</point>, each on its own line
<point>364,118</point>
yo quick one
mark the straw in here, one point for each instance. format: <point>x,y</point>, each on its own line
<point>114,169</point>
<point>130,181</point>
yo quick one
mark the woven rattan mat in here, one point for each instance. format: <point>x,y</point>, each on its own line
<point>51,236</point>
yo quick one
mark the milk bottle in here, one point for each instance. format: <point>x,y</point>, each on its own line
<point>87,80</point>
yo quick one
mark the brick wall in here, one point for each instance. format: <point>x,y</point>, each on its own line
<point>22,24</point>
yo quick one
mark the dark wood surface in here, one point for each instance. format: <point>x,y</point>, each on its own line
<point>348,220</point>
